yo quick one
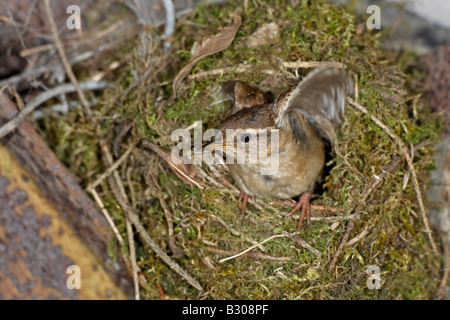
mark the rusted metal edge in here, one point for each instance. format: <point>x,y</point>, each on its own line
<point>59,185</point>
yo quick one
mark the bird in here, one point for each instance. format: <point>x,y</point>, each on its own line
<point>295,128</point>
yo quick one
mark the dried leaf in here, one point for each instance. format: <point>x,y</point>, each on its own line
<point>209,46</point>
<point>186,172</point>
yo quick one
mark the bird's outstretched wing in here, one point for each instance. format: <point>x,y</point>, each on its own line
<point>319,99</point>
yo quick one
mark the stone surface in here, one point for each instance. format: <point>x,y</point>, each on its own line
<point>420,25</point>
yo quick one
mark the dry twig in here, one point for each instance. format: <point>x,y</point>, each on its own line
<point>239,69</point>
<point>169,27</point>
<point>44,96</point>
<point>310,64</point>
<point>300,242</point>
<point>252,247</point>
<point>119,191</point>
<point>64,60</point>
<point>177,252</point>
<point>306,245</point>
<point>252,254</point>
<point>248,68</point>
<point>360,236</point>
<point>112,168</point>
<point>134,265</point>
<point>348,228</point>
<point>107,216</point>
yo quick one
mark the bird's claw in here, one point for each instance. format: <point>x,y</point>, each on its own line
<point>244,198</point>
<point>304,204</point>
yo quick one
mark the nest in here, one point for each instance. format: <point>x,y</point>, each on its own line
<point>367,215</point>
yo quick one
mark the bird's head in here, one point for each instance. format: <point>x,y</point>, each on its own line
<point>246,136</point>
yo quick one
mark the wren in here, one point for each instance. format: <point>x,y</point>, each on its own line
<point>305,119</point>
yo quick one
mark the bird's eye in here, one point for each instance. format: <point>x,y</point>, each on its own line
<point>245,137</point>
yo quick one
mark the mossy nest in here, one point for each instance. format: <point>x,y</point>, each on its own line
<point>388,232</point>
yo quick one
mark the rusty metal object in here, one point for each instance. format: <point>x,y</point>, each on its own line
<point>47,223</point>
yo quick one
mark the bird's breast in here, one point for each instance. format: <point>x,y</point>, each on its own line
<point>289,174</point>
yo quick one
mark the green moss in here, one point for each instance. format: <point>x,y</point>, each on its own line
<point>309,32</point>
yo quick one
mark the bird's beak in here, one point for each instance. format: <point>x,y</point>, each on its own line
<point>211,146</point>
<point>218,144</point>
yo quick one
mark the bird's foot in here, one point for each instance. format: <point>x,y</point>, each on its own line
<point>244,198</point>
<point>304,204</point>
